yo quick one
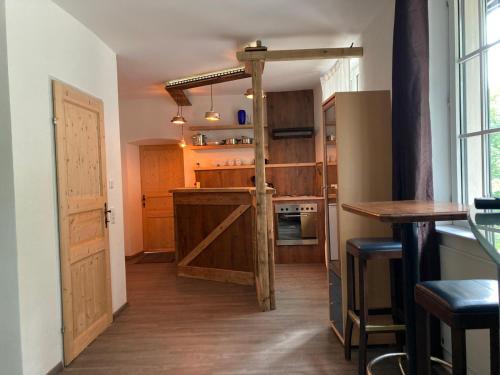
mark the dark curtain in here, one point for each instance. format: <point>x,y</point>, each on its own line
<point>411,128</point>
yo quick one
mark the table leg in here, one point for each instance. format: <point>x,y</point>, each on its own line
<point>409,240</point>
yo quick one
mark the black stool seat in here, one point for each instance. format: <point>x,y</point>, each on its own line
<point>461,296</point>
<point>372,248</point>
<point>462,305</point>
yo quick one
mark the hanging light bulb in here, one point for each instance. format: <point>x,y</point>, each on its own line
<point>178,118</point>
<point>212,115</point>
<point>182,142</point>
<point>249,93</point>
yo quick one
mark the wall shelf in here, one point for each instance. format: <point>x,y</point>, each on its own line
<point>219,147</point>
<point>221,127</point>
<point>251,166</point>
<point>331,143</point>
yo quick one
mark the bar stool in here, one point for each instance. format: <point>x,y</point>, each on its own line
<point>365,249</point>
<point>462,305</point>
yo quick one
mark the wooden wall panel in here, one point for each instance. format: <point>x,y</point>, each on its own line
<point>230,250</point>
<point>286,180</point>
<point>290,109</point>
<point>293,180</point>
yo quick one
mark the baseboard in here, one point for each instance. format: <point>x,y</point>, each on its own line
<point>56,369</point>
<point>136,255</point>
<point>117,313</point>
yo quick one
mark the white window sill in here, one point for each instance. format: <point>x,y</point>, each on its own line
<point>456,231</point>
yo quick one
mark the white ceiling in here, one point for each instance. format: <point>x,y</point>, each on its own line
<point>159,40</point>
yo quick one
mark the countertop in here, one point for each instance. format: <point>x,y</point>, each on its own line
<point>297,198</point>
<point>250,190</point>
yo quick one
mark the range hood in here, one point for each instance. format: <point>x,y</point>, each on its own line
<point>300,132</point>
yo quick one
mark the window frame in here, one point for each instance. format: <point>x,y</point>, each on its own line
<point>458,132</point>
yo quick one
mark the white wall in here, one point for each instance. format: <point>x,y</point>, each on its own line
<point>132,209</point>
<point>10,330</point>
<point>44,42</point>
<point>375,67</point>
<point>149,119</point>
<point>376,74</point>
<point>439,93</point>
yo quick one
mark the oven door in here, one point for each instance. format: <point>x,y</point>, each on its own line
<point>297,228</point>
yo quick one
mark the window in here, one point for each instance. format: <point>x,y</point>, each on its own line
<point>479,97</point>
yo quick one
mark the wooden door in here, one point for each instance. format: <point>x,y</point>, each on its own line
<point>162,169</point>
<point>83,232</point>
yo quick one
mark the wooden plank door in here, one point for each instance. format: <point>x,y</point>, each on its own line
<point>83,232</point>
<point>162,169</point>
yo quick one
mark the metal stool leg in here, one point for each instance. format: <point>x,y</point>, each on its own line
<point>363,317</point>
<point>400,336</point>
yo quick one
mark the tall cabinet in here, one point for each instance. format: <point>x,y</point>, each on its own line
<point>357,167</point>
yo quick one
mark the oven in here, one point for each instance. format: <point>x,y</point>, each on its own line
<point>297,224</point>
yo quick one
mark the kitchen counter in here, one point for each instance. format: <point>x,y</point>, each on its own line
<point>250,190</point>
<point>297,198</point>
<point>216,236</point>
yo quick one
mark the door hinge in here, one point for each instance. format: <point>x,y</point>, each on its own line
<point>63,330</point>
<point>54,120</point>
<point>106,212</point>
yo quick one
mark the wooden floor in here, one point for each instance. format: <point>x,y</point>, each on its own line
<point>185,326</point>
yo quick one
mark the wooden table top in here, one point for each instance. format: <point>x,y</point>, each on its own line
<point>408,211</point>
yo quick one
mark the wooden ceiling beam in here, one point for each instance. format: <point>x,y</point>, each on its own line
<point>176,87</point>
<point>300,54</point>
<point>179,97</point>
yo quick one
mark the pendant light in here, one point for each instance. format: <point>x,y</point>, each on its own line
<point>182,142</point>
<point>249,93</point>
<point>178,118</point>
<point>212,115</point>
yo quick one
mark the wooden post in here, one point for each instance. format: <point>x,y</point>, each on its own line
<point>270,241</point>
<point>260,184</point>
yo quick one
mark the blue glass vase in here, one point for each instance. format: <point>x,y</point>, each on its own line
<point>242,117</point>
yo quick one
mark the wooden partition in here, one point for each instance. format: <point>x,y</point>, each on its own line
<point>216,238</point>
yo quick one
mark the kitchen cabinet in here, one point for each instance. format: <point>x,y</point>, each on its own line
<point>357,166</point>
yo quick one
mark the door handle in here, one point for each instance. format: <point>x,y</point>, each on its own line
<point>106,212</point>
<point>143,200</point>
